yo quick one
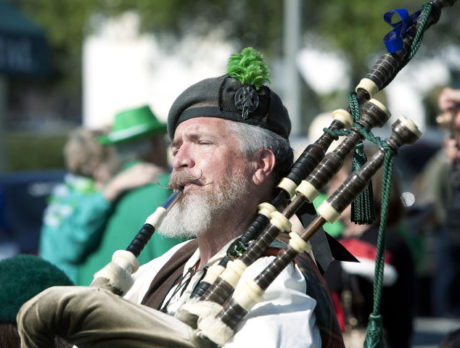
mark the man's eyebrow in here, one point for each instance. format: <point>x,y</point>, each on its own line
<point>192,136</point>
<point>195,136</point>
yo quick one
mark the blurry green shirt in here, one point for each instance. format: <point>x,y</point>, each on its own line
<point>72,223</point>
<point>128,216</point>
<point>334,229</point>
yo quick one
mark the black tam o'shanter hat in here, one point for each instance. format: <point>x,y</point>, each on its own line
<point>239,96</point>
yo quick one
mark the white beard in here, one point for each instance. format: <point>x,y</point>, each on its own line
<point>194,213</point>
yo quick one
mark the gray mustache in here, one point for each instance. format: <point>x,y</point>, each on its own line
<point>178,180</point>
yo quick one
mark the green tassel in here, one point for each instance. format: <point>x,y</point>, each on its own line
<point>374,332</point>
<point>249,68</point>
<point>362,207</point>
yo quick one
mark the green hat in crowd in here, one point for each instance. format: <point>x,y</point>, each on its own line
<point>133,124</point>
<point>21,278</point>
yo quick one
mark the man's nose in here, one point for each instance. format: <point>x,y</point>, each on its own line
<point>183,158</point>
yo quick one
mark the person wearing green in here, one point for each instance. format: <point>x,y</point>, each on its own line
<point>72,222</point>
<point>138,137</point>
<point>79,206</point>
<point>22,277</point>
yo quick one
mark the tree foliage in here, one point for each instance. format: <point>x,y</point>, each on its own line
<point>353,27</point>
<point>356,28</point>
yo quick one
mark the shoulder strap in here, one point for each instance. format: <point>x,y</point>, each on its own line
<point>163,280</point>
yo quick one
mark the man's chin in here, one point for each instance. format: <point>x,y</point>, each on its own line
<point>192,196</point>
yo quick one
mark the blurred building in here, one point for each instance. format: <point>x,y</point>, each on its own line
<point>123,68</point>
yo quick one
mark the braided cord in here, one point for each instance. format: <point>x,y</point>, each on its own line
<point>374,332</point>
<point>336,133</point>
<point>386,191</point>
<point>420,30</point>
<point>354,106</point>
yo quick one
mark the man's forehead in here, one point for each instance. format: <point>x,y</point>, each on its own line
<point>202,125</point>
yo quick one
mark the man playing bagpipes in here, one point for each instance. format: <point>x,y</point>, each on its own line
<point>248,278</point>
<point>230,148</point>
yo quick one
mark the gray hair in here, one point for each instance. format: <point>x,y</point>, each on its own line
<point>254,138</point>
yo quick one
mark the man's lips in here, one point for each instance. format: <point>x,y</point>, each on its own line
<point>190,186</point>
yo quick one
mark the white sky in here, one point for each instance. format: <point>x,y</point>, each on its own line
<point>123,69</point>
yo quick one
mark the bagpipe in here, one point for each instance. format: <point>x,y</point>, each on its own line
<point>215,309</point>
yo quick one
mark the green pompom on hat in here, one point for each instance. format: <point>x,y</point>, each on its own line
<point>21,278</point>
<point>249,68</point>
<point>241,95</point>
<point>133,124</point>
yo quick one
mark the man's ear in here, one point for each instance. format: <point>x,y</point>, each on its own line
<point>264,161</point>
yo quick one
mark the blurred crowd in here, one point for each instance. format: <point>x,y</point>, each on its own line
<point>440,186</point>
<point>110,173</point>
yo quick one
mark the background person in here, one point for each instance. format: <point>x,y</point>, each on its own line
<point>21,278</point>
<point>440,185</point>
<point>79,207</point>
<point>137,138</point>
